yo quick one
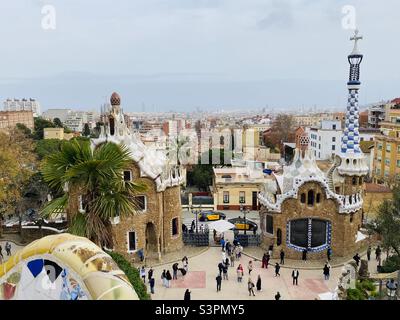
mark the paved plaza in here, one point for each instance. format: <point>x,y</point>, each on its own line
<point>203,270</point>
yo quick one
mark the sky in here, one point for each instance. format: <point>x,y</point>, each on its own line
<point>163,55</point>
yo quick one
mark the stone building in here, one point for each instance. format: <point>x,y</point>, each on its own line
<point>157,226</point>
<point>305,208</point>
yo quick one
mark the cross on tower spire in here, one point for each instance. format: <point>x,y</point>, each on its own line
<point>356,38</point>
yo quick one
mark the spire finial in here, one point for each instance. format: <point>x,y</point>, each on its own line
<point>356,38</point>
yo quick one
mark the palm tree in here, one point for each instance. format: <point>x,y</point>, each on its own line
<point>96,178</point>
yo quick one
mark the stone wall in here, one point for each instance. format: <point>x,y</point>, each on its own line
<point>344,227</point>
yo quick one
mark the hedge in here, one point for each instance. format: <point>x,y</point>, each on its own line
<point>133,275</point>
<point>391,264</point>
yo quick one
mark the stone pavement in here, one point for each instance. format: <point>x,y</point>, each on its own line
<point>14,249</point>
<point>203,270</point>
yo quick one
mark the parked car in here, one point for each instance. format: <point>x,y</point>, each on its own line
<point>211,216</point>
<point>241,225</point>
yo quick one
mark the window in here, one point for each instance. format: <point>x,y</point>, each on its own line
<point>354,181</point>
<point>333,139</point>
<point>269,225</point>
<point>398,163</point>
<point>310,198</point>
<point>318,198</point>
<point>303,198</point>
<point>379,146</point>
<point>242,197</point>
<point>226,197</point>
<point>333,147</point>
<point>278,237</point>
<point>398,149</point>
<point>334,127</point>
<point>388,147</point>
<point>309,233</point>
<point>131,241</point>
<point>140,203</point>
<point>128,175</point>
<point>175,226</point>
<point>387,161</point>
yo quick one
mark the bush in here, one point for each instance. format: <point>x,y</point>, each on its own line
<point>391,264</point>
<point>133,275</point>
<point>356,294</point>
<point>368,285</point>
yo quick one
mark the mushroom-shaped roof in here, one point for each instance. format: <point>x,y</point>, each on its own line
<point>115,99</point>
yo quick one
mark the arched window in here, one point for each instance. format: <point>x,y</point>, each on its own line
<point>310,198</point>
<point>269,224</point>
<point>318,199</point>
<point>361,181</point>
<point>354,181</point>
<point>303,198</point>
<point>278,237</point>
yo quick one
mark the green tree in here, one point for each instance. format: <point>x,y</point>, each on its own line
<point>86,130</point>
<point>387,222</point>
<point>39,125</point>
<point>97,177</point>
<point>24,129</point>
<point>57,123</point>
<point>47,147</point>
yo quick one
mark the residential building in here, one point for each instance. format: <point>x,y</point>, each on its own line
<point>325,139</point>
<point>22,105</point>
<point>9,119</point>
<point>56,133</point>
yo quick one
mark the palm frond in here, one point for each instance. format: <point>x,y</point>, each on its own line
<point>54,207</point>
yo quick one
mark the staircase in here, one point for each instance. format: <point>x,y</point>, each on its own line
<point>329,174</point>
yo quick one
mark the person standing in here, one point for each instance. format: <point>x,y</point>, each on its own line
<point>223,244</point>
<point>326,272</point>
<point>357,259</point>
<point>378,252</point>
<point>295,276</point>
<point>168,277</point>
<point>143,274</point>
<point>219,281</point>
<point>175,271</point>
<point>150,273</point>
<point>258,284</point>
<point>225,272</point>
<point>250,287</point>
<point>329,253</point>
<point>232,259</point>
<point>282,256</point>
<point>277,268</point>
<point>152,283</point>
<point>1,252</point>
<point>8,248</point>
<point>271,247</point>
<point>187,295</point>
<point>164,278</point>
<point>264,261</point>
<point>268,257</point>
<point>369,253</point>
<point>185,263</point>
<point>250,266</point>
<point>304,255</point>
<point>239,272</point>
<point>277,296</point>
<point>220,268</point>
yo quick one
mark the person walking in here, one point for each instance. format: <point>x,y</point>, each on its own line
<point>277,296</point>
<point>150,273</point>
<point>326,272</point>
<point>271,247</point>
<point>304,255</point>
<point>378,252</point>
<point>219,281</point>
<point>1,252</point>
<point>185,263</point>
<point>369,253</point>
<point>8,248</point>
<point>277,268</point>
<point>268,257</point>
<point>225,272</point>
<point>258,284</point>
<point>239,272</point>
<point>250,266</point>
<point>295,277</point>
<point>143,274</point>
<point>187,295</point>
<point>250,287</point>
<point>168,277</point>
<point>175,268</point>
<point>223,244</point>
<point>152,284</point>
<point>282,256</point>
<point>220,268</point>
<point>357,259</point>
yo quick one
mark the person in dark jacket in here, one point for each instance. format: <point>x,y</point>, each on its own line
<point>304,255</point>
<point>329,253</point>
<point>168,277</point>
<point>282,256</point>
<point>357,259</point>
<point>175,268</point>
<point>219,281</point>
<point>152,283</point>
<point>326,272</point>
<point>277,268</point>
<point>277,296</point>
<point>369,253</point>
<point>187,295</point>
<point>264,261</point>
<point>225,272</point>
<point>295,276</point>
<point>150,273</point>
<point>220,268</point>
<point>258,284</point>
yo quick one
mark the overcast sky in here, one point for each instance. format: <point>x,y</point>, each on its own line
<point>183,54</point>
